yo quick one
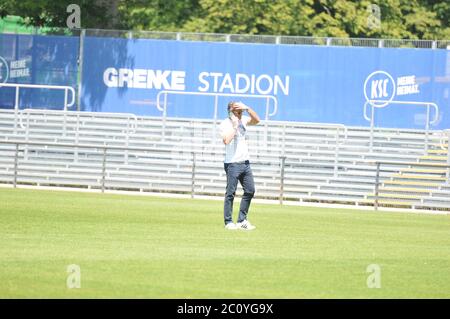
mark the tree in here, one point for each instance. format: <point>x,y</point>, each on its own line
<point>408,19</point>
<point>159,15</point>
<point>251,17</point>
<point>412,19</point>
<point>44,13</point>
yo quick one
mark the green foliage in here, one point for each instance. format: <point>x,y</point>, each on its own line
<point>251,17</point>
<point>45,13</point>
<point>160,15</point>
<point>409,19</point>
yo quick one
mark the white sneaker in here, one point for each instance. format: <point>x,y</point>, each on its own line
<point>231,226</point>
<point>245,225</point>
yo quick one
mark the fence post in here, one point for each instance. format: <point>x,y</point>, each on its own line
<point>127,139</point>
<point>266,122</point>
<point>377,181</point>
<point>65,114</point>
<point>27,136</point>
<point>448,155</point>
<point>427,128</point>
<point>16,160</point>
<point>16,109</point>
<point>216,105</point>
<point>193,176</point>
<point>103,169</point>
<point>283,159</point>
<point>80,67</point>
<point>164,117</point>
<point>372,124</point>
<point>336,153</point>
<point>65,99</point>
<point>77,135</point>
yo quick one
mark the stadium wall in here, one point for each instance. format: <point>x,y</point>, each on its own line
<point>305,83</point>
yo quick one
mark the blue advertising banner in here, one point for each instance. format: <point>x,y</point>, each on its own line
<point>407,88</point>
<point>38,60</point>
<point>281,82</point>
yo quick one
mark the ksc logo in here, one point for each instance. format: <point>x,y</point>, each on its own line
<point>379,88</point>
<point>4,70</point>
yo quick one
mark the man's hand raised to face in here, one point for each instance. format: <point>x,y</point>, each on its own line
<point>239,106</point>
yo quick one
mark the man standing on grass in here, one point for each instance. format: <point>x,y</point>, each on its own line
<point>237,166</point>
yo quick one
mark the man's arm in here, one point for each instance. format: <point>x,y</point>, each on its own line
<point>254,118</point>
<point>228,135</point>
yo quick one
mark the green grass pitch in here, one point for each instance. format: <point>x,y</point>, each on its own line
<point>150,247</point>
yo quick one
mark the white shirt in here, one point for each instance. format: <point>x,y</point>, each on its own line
<point>237,149</point>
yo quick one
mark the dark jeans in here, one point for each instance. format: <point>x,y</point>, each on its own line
<point>238,172</point>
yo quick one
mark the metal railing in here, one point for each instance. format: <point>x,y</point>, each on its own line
<point>131,121</point>
<point>103,149</point>
<point>341,129</point>
<point>216,95</point>
<point>445,135</point>
<point>373,105</point>
<point>408,165</point>
<point>273,39</point>
<point>243,38</point>
<point>18,86</point>
<point>190,161</point>
<point>248,38</point>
